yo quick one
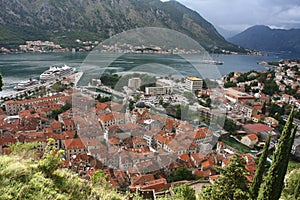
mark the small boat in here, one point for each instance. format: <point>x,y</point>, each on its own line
<point>25,84</point>
<point>212,62</point>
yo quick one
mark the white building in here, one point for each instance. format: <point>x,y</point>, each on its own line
<point>158,90</point>
<point>134,83</point>
<point>95,82</point>
<point>250,140</point>
<point>193,83</point>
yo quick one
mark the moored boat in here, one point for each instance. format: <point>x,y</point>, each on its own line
<point>55,72</point>
<point>25,84</point>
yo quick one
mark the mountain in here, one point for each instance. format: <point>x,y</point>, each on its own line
<point>65,21</point>
<point>263,38</point>
<point>226,33</point>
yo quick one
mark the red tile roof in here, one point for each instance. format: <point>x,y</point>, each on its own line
<point>74,143</point>
<point>56,125</point>
<point>252,137</point>
<point>185,157</point>
<point>198,157</point>
<point>257,128</point>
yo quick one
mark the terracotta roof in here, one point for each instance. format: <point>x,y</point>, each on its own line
<point>138,140</point>
<point>257,128</point>
<point>68,134</point>
<point>55,125</point>
<point>207,173</point>
<point>114,141</point>
<point>198,157</point>
<point>252,137</point>
<point>208,163</point>
<point>69,122</point>
<point>74,143</point>
<point>184,157</point>
<point>137,180</point>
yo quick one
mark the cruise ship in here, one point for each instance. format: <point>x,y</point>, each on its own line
<point>25,84</point>
<point>55,72</point>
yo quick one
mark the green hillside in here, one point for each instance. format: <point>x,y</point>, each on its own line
<point>66,21</point>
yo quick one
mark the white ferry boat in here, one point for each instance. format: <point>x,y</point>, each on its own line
<point>25,84</point>
<point>55,72</point>
<point>212,62</point>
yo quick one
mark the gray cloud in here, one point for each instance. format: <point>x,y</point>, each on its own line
<point>237,15</point>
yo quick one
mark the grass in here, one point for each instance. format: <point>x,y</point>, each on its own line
<point>293,165</point>
<point>236,145</point>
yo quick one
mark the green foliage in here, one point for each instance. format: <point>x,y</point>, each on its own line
<point>103,99</point>
<point>229,84</point>
<point>99,178</point>
<point>24,150</point>
<point>229,76</point>
<point>270,88</point>
<point>58,87</point>
<point>274,63</point>
<point>206,101</point>
<point>131,105</point>
<point>1,82</point>
<point>231,185</point>
<point>28,178</point>
<point>264,108</point>
<point>110,80</point>
<point>275,110</point>
<point>293,165</point>
<point>55,113</point>
<point>291,190</point>
<point>180,174</point>
<point>184,192</point>
<point>274,181</point>
<point>51,159</point>
<point>229,125</point>
<point>258,177</point>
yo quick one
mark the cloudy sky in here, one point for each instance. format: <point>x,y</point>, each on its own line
<point>237,15</point>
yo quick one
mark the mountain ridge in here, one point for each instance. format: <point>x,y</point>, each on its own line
<point>264,38</point>
<point>66,21</point>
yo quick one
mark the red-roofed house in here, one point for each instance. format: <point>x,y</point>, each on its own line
<point>249,140</point>
<point>56,126</point>
<point>148,182</point>
<point>69,124</point>
<point>197,158</point>
<point>73,146</point>
<point>139,142</point>
<point>259,129</point>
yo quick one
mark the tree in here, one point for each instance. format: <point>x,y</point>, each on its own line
<point>229,125</point>
<point>258,177</point>
<point>291,190</point>
<point>263,110</point>
<point>51,159</point>
<point>180,174</point>
<point>270,88</point>
<point>99,178</point>
<point>1,82</point>
<point>229,84</point>
<point>184,192</point>
<point>231,185</point>
<point>274,181</point>
<point>64,108</point>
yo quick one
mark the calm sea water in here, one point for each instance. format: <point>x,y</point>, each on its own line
<point>20,67</point>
